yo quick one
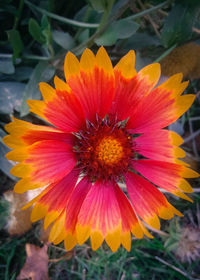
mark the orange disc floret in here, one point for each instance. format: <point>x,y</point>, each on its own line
<point>104,150</point>
<point>109,151</point>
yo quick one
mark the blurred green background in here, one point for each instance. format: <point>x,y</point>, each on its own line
<point>34,38</point>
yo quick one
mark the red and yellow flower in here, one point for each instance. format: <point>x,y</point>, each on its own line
<point>106,128</point>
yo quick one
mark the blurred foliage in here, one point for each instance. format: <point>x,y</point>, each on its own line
<point>34,38</point>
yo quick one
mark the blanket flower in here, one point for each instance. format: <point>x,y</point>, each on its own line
<point>105,151</point>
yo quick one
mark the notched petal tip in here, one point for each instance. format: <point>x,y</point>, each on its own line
<point>37,107</point>
<point>25,185</point>
<point>57,232</point>
<point>21,170</point>
<point>17,154</point>
<point>153,221</point>
<point>47,91</point>
<point>87,61</point>
<point>50,217</point>
<point>183,103</point>
<point>96,239</point>
<point>113,239</point>
<point>71,65</point>
<point>189,173</point>
<point>70,241</point>
<point>126,65</point>
<point>39,211</point>
<point>176,139</point>
<point>182,195</point>
<point>103,61</point>
<point>174,80</point>
<point>176,212</point>
<point>82,233</point>
<point>151,72</point>
<point>185,186</point>
<point>61,85</point>
<point>126,240</point>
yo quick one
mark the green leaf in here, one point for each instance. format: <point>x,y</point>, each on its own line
<point>45,22</point>
<point>87,15</point>
<point>141,40</point>
<point>22,73</point>
<point>63,39</point>
<point>98,5</point>
<point>108,38</point>
<point>47,74</point>
<point>36,31</point>
<point>46,30</point>
<point>5,165</point>
<point>178,25</point>
<point>120,29</point>
<point>15,40</point>
<point>6,65</point>
<point>124,28</point>
<point>83,36</point>
<point>11,96</point>
<point>42,73</point>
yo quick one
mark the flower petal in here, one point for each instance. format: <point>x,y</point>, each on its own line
<point>174,85</point>
<point>57,232</point>
<point>131,89</point>
<point>37,107</point>
<point>159,145</point>
<point>69,115</point>
<point>23,133</point>
<point>71,66</point>
<point>60,85</point>
<point>47,91</point>
<point>25,184</point>
<point>126,65</point>
<point>168,176</point>
<point>159,108</point>
<point>100,217</point>
<point>50,161</point>
<point>130,221</point>
<point>55,200</point>
<point>73,208</point>
<point>148,201</point>
<point>92,81</point>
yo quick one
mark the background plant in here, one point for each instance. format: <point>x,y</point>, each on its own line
<point>34,38</point>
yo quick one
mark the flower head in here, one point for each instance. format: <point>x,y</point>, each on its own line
<point>106,128</point>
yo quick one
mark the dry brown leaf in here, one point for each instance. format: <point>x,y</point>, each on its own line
<point>191,161</point>
<point>19,220</point>
<point>44,234</point>
<point>184,59</point>
<point>36,265</point>
<point>189,244</point>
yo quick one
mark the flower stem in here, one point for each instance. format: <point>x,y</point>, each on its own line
<point>90,41</point>
<point>148,11</point>
<point>17,17</point>
<point>92,25</point>
<point>106,14</point>
<point>168,51</point>
<point>36,57</point>
<point>62,19</point>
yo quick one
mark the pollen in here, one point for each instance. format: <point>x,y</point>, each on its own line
<point>104,150</point>
<point>109,151</point>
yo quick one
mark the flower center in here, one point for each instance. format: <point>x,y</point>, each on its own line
<point>104,150</point>
<point>109,150</point>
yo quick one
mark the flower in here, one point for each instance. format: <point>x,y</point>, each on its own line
<point>106,129</point>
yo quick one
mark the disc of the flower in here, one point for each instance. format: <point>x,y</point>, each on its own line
<point>106,126</point>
